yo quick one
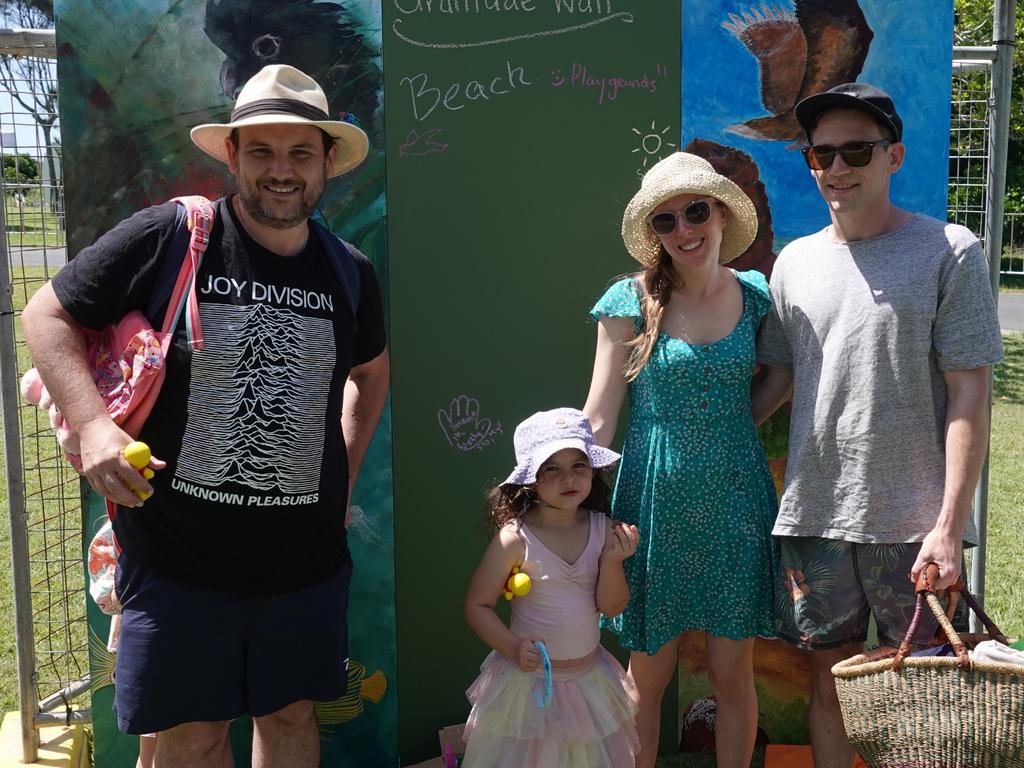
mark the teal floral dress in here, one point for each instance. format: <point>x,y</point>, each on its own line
<point>694,480</point>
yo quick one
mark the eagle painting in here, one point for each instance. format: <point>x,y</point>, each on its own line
<point>818,45</point>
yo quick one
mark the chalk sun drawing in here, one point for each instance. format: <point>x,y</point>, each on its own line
<point>652,144</point>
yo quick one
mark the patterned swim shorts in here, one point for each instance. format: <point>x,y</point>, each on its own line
<point>828,588</point>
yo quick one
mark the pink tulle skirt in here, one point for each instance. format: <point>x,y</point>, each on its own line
<point>588,723</point>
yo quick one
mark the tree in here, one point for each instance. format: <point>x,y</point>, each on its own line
<point>972,25</point>
<point>32,80</point>
<point>19,170</point>
<point>45,7</point>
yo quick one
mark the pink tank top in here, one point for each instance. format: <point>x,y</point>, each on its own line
<point>561,608</point>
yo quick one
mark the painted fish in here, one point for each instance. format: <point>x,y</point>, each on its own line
<point>361,688</point>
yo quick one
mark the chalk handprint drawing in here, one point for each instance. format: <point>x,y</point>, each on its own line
<point>463,426</point>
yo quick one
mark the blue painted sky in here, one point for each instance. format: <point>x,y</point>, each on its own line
<point>909,57</point>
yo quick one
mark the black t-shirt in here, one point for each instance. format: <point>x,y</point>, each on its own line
<point>253,495</point>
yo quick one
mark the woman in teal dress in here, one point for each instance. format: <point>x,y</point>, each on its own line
<point>679,339</point>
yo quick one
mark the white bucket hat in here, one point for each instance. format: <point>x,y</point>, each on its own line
<point>279,94</point>
<point>546,433</point>
<point>684,174</point>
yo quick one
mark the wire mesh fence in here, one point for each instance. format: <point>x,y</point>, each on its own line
<point>969,145</point>
<point>34,228</point>
<point>1013,244</point>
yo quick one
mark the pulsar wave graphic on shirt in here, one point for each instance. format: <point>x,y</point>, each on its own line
<point>258,399</point>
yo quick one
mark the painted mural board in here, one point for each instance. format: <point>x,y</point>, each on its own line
<point>134,77</point>
<point>745,64</point>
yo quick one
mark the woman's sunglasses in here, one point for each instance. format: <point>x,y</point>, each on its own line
<point>695,214</point>
<point>856,154</point>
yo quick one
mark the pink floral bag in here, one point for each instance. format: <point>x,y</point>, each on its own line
<point>127,361</point>
<point>127,358</point>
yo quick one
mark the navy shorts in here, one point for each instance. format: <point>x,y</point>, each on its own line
<point>187,654</point>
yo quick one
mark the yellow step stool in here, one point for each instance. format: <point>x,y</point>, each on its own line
<point>59,746</point>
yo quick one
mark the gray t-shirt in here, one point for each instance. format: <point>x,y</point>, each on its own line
<point>869,327</point>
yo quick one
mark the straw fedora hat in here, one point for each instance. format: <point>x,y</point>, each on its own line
<point>279,94</point>
<point>684,174</point>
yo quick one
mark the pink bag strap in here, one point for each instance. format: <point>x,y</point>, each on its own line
<point>199,213</point>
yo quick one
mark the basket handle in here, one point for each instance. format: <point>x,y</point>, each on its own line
<point>926,593</point>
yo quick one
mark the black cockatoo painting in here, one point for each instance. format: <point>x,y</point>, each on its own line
<point>319,38</point>
<point>134,79</point>
<point>818,45</point>
<point>326,41</point>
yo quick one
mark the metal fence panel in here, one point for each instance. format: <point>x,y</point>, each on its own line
<point>969,144</point>
<point>50,563</point>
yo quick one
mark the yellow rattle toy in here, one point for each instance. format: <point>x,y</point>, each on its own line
<point>517,584</point>
<point>138,455</point>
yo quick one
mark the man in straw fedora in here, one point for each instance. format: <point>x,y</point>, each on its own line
<point>884,326</point>
<point>234,575</point>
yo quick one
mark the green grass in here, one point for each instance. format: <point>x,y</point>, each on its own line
<point>1004,598</point>
<point>45,484</point>
<point>31,225</point>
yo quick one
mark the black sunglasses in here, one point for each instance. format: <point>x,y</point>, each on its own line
<point>665,222</point>
<point>856,154</point>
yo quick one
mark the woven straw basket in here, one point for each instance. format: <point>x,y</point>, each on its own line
<point>934,711</point>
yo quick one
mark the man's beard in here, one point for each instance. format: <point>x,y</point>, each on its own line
<point>249,194</point>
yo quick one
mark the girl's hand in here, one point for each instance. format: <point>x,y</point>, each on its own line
<point>527,655</point>
<point>622,542</point>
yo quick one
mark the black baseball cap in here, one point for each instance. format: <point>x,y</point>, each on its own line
<point>861,96</point>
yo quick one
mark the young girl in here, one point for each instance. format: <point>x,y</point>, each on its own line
<point>550,516</point>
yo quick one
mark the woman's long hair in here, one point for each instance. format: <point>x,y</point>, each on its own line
<point>510,502</point>
<point>657,280</point>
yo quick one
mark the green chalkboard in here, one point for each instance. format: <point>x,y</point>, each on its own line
<point>517,130</point>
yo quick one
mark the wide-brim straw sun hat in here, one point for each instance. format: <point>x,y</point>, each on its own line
<point>282,95</point>
<point>684,174</point>
<point>546,433</point>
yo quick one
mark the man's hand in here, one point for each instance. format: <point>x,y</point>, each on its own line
<point>946,551</point>
<point>106,468</point>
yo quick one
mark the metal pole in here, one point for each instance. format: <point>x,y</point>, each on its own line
<point>66,695</point>
<point>1004,19</point>
<point>27,699</point>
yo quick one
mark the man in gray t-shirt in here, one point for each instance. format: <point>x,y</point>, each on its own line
<point>884,326</point>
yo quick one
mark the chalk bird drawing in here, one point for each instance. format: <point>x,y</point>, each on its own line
<point>418,144</point>
<point>816,46</point>
<point>361,686</point>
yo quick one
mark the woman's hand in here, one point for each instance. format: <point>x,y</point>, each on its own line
<point>527,655</point>
<point>622,542</point>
